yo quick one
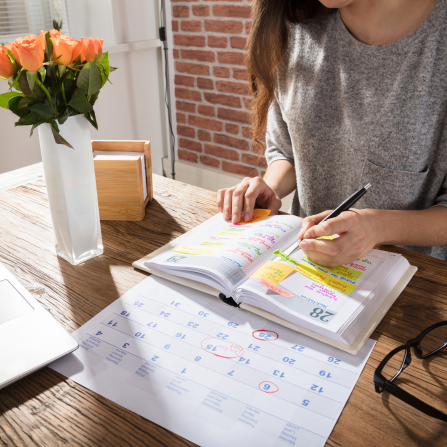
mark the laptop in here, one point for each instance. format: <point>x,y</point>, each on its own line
<point>30,338</point>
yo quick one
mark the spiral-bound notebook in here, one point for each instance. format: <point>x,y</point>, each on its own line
<point>248,266</point>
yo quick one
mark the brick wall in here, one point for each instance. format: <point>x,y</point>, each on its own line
<point>211,90</point>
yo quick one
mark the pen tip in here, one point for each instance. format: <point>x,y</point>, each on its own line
<point>367,186</point>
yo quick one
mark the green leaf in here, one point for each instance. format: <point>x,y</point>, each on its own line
<point>26,120</point>
<point>91,118</point>
<point>57,25</point>
<point>62,69</point>
<point>13,105</point>
<point>49,47</point>
<point>42,111</point>
<point>37,124</point>
<point>12,57</point>
<point>31,78</point>
<point>89,79</point>
<point>57,136</point>
<point>79,102</point>
<point>69,85</point>
<point>103,75</point>
<point>62,118</point>
<point>5,97</point>
<point>26,102</point>
<point>105,64</point>
<point>93,98</point>
<point>42,72</point>
<point>24,86</point>
<point>99,58</point>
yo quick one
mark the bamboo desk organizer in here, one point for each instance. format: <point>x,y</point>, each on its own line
<point>119,183</point>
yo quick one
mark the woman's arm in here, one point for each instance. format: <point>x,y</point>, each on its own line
<point>240,200</point>
<point>361,230</point>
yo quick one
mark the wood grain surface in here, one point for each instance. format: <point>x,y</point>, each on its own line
<point>47,409</point>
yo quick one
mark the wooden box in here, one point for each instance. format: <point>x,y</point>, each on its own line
<point>119,182</point>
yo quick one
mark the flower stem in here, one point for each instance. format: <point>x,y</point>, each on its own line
<point>47,94</point>
<point>63,94</point>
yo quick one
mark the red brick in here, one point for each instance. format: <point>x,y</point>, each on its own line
<point>225,100</point>
<point>174,26</point>
<point>176,54</point>
<point>247,27</point>
<point>232,11</point>
<point>180,11</point>
<point>232,128</point>
<point>185,80</point>
<point>187,155</point>
<point>256,160</point>
<point>206,110</point>
<point>201,10</point>
<point>224,26</point>
<point>234,58</point>
<point>240,73</point>
<point>237,143</point>
<point>233,115</point>
<point>203,135</point>
<point>205,83</point>
<point>221,152</point>
<point>186,131</point>
<point>239,169</point>
<point>191,25</point>
<point>238,42</point>
<point>195,69</point>
<point>247,133</point>
<point>233,87</point>
<point>221,72</point>
<point>185,106</point>
<point>209,161</point>
<point>186,93</point>
<point>205,123</point>
<point>198,55</point>
<point>189,41</point>
<point>190,144</point>
<point>217,42</point>
<point>181,118</point>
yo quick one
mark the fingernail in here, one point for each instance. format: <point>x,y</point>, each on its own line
<point>226,215</point>
<point>306,236</point>
<point>235,218</point>
<point>220,209</point>
<point>303,245</point>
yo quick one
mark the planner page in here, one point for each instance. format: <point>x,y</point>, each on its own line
<point>216,375</point>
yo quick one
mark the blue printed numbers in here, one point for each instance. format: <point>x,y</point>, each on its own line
<point>112,323</point>
<point>325,374</point>
<point>334,361</point>
<point>152,325</point>
<point>245,361</point>
<point>167,346</point>
<point>288,360</point>
<point>99,333</point>
<point>126,345</point>
<point>233,325</point>
<point>197,359</point>
<point>175,304</point>
<point>164,314</point>
<point>180,336</point>
<point>298,348</point>
<point>231,373</point>
<point>266,386</point>
<point>125,314</point>
<point>265,335</point>
<point>222,335</point>
<point>140,335</point>
<point>154,358</point>
<point>193,325</point>
<point>306,402</point>
<point>321,314</point>
<point>278,373</point>
<point>138,304</point>
<point>203,314</point>
<point>316,388</point>
<point>254,347</point>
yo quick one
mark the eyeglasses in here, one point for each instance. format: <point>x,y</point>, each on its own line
<point>427,343</point>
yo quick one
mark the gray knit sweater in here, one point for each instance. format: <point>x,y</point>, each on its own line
<point>349,114</point>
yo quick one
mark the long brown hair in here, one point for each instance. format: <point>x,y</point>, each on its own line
<point>267,42</point>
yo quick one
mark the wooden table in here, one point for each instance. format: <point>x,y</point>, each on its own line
<point>46,409</point>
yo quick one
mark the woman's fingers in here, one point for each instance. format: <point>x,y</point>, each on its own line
<point>220,199</point>
<point>228,203</point>
<point>347,221</point>
<point>251,195</point>
<point>238,200</point>
<point>311,221</point>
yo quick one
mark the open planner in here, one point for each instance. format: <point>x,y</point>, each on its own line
<point>248,266</point>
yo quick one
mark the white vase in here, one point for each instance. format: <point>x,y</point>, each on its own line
<point>71,187</point>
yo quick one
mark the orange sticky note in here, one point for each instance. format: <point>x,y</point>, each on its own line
<point>273,272</point>
<point>278,290</point>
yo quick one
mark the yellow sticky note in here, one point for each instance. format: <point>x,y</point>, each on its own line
<point>273,272</point>
<point>341,270</point>
<point>286,258</point>
<point>196,250</point>
<point>227,233</point>
<point>213,243</point>
<point>326,279</point>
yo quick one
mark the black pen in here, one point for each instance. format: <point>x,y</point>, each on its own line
<point>348,203</point>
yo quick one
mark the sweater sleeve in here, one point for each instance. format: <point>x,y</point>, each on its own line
<point>279,144</point>
<point>441,198</point>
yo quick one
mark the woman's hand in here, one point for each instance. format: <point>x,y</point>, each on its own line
<point>240,200</point>
<point>358,230</point>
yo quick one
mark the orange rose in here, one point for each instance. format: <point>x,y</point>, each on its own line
<point>67,48</point>
<point>91,47</point>
<point>6,67</point>
<point>29,51</point>
<point>54,33</point>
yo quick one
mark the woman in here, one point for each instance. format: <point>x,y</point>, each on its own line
<point>352,95</point>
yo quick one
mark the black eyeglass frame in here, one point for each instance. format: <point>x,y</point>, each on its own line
<point>382,384</point>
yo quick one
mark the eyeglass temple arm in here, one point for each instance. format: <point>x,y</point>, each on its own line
<point>414,401</point>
